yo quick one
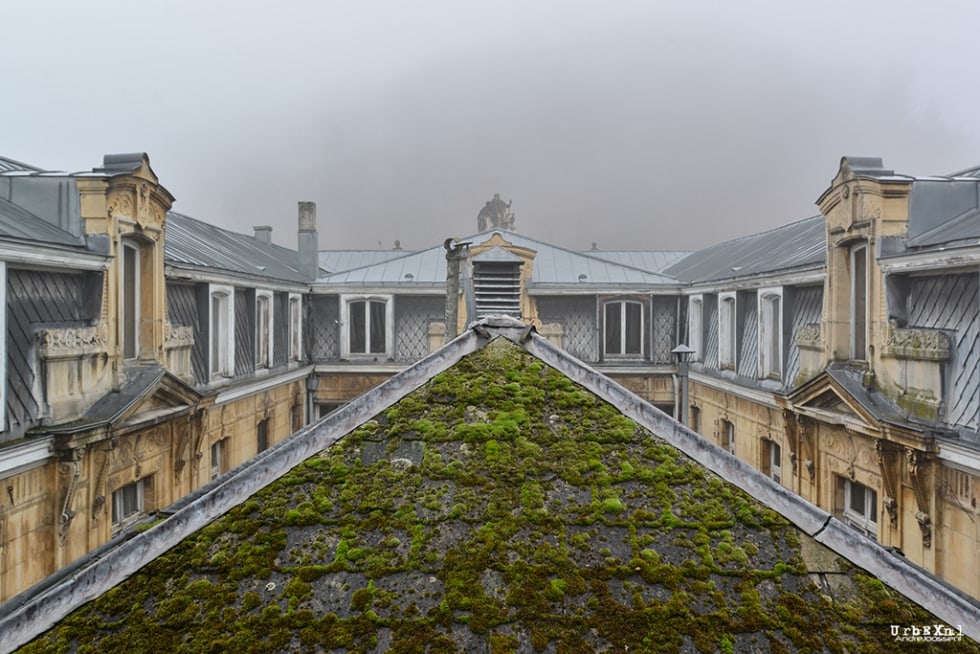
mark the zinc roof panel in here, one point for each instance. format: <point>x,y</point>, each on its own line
<point>552,266</point>
<point>795,245</point>
<point>19,223</point>
<point>195,243</point>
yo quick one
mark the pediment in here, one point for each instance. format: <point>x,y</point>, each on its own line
<point>826,399</point>
<point>149,394</point>
<point>167,396</point>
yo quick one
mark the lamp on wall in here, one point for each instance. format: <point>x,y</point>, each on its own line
<point>682,357</point>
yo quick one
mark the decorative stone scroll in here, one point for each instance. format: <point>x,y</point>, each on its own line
<point>70,342</point>
<point>917,343</point>
<point>805,430</point>
<point>72,470</point>
<point>888,462</point>
<point>919,475</point>
<point>808,337</point>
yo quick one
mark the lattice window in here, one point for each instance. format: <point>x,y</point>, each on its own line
<point>324,332</point>
<point>412,318</point>
<point>577,316</point>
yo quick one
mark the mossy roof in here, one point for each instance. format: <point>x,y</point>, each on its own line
<point>500,507</point>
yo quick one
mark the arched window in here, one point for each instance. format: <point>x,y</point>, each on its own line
<point>859,301</point>
<point>222,332</point>
<point>770,333</point>
<point>263,329</point>
<point>129,299</point>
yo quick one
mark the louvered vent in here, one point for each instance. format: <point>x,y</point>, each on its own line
<point>497,288</point>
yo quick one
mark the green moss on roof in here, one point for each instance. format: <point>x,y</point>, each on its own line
<point>499,508</point>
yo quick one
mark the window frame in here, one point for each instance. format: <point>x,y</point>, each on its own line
<point>624,303</point>
<point>218,458</point>
<point>346,301</point>
<point>120,522</point>
<point>858,347</point>
<point>770,332</point>
<point>862,521</point>
<point>694,418</point>
<point>695,326</point>
<point>264,343</point>
<point>295,326</point>
<point>221,346</point>
<point>262,436</point>
<point>127,288</point>
<point>728,331</point>
<point>774,460</point>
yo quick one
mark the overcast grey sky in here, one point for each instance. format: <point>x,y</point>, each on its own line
<point>638,125</point>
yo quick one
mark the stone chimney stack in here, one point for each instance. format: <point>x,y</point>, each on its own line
<point>263,233</point>
<point>308,241</point>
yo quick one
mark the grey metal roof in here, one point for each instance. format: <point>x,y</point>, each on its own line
<point>8,165</point>
<point>944,211</point>
<point>554,267</point>
<point>333,261</point>
<point>18,223</point>
<point>796,245</point>
<point>963,230</point>
<point>197,244</point>
<point>653,260</point>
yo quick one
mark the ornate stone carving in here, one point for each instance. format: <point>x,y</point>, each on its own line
<point>888,462</point>
<point>121,205</point>
<point>98,504</point>
<point>917,343</point>
<point>177,336</point>
<point>72,471</point>
<point>74,341</point>
<point>808,337</point>
<point>919,475</point>
<point>805,431</point>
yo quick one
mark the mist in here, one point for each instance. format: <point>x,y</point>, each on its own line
<point>635,127</point>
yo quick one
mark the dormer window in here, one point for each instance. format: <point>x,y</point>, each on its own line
<point>623,328</point>
<point>859,302</point>
<point>368,328</point>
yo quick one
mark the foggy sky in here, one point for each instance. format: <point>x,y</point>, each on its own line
<point>636,125</point>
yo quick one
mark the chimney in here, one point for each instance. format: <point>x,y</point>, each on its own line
<point>308,241</point>
<point>263,233</point>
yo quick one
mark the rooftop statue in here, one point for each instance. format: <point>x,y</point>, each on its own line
<point>496,214</point>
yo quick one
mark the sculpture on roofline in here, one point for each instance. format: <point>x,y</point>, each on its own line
<point>496,214</point>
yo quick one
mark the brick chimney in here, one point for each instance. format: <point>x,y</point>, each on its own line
<point>263,233</point>
<point>308,241</point>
